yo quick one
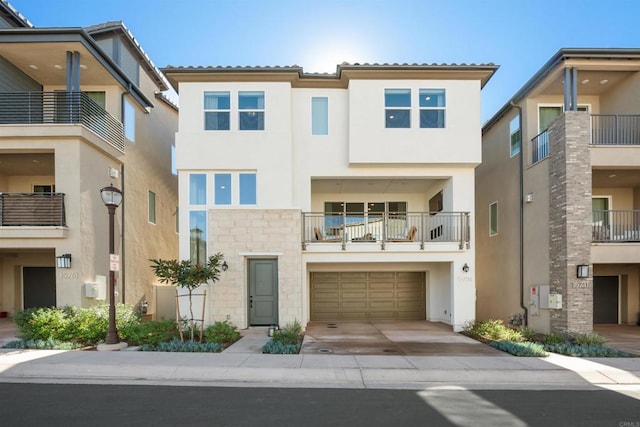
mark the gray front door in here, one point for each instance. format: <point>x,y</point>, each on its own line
<point>605,299</point>
<point>39,286</point>
<point>263,292</point>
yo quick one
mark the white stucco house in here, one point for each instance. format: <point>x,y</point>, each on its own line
<point>345,196</point>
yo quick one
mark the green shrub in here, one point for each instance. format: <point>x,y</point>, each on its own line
<point>43,324</point>
<point>526,349</point>
<point>290,334</point>
<point>555,338</point>
<point>48,344</point>
<point>151,333</point>
<point>492,330</point>
<point>589,339</point>
<point>277,347</point>
<point>185,347</point>
<point>529,334</point>
<point>222,333</point>
<point>578,350</point>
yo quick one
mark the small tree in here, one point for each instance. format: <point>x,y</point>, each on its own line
<point>188,275</point>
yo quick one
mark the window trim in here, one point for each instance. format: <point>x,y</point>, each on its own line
<point>493,232</point>
<point>252,110</point>
<point>443,109</point>
<point>387,108</point>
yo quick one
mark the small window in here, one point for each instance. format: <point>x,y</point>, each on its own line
<point>436,203</point>
<point>177,219</point>
<point>432,108</point>
<point>247,188</point>
<point>197,189</point>
<point>514,135</point>
<point>251,110</point>
<point>493,219</point>
<point>152,207</point>
<point>198,236</point>
<point>98,97</point>
<point>320,116</point>
<point>174,169</point>
<point>222,183</point>
<point>397,108</point>
<point>129,120</point>
<point>217,106</point>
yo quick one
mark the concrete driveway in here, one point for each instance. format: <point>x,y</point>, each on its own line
<point>416,338</point>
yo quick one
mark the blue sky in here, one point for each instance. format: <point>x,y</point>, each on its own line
<point>518,35</point>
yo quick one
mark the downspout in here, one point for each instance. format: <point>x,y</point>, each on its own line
<point>525,318</point>
<point>123,264</point>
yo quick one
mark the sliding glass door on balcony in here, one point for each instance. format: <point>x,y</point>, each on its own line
<point>363,221</point>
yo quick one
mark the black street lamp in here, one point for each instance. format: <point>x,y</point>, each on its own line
<point>112,197</point>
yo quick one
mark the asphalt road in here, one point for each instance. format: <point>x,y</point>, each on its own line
<point>109,405</point>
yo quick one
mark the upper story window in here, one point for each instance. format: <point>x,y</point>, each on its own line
<point>397,108</point>
<point>432,108</point>
<point>251,110</point>
<point>217,109</point>
<point>197,189</point>
<point>129,120</point>
<point>320,115</point>
<point>515,137</point>
<point>493,219</point>
<point>247,189</point>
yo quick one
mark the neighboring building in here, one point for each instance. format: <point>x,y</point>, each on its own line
<point>578,119</point>
<point>344,196</point>
<point>80,109</point>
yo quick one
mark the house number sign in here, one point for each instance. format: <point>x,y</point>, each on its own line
<point>581,285</point>
<point>68,276</point>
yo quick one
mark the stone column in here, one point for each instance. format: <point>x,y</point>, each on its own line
<point>570,220</point>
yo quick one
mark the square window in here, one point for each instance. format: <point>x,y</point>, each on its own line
<point>217,107</point>
<point>251,110</point>
<point>222,183</point>
<point>247,188</point>
<point>432,119</point>
<point>432,108</point>
<point>397,103</point>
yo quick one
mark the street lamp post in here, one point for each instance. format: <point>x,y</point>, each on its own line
<point>112,197</point>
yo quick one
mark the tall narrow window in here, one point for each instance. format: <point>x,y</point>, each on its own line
<point>174,169</point>
<point>320,116</point>
<point>247,188</point>
<point>197,189</point>
<point>397,108</point>
<point>432,108</point>
<point>251,110</point>
<point>217,106</point>
<point>514,135</point>
<point>493,219</point>
<point>198,236</point>
<point>177,214</point>
<point>152,207</point>
<point>222,183</point>
<point>129,120</point>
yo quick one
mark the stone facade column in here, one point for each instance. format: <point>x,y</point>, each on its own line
<point>570,220</point>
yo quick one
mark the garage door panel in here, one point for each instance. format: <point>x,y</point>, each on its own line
<point>368,295</point>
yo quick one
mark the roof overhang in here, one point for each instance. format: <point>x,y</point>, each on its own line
<point>41,54</point>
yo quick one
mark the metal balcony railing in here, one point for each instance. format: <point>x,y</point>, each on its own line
<point>616,226</point>
<point>540,147</point>
<point>32,209</point>
<point>615,129</point>
<point>61,108</point>
<point>383,228</point>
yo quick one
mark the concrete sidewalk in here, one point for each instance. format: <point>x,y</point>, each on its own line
<point>239,369</point>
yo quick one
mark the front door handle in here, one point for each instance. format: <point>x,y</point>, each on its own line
<point>251,301</point>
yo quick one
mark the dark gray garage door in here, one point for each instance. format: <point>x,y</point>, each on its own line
<point>368,296</point>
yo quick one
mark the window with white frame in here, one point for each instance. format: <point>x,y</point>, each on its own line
<point>320,115</point>
<point>198,236</point>
<point>222,188</point>
<point>397,108</point>
<point>198,189</point>
<point>247,187</point>
<point>152,207</point>
<point>251,110</point>
<point>217,110</point>
<point>129,120</point>
<point>493,219</point>
<point>432,106</point>
<point>515,137</point>
<point>234,188</point>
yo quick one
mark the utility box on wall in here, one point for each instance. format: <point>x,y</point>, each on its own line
<point>555,301</point>
<point>534,300</point>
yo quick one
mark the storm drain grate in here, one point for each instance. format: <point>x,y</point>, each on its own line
<point>324,350</point>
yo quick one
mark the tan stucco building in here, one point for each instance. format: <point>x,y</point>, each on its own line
<point>558,196</point>
<point>81,109</point>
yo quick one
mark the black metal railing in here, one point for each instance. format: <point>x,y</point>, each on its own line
<point>61,108</point>
<point>615,129</point>
<point>420,227</point>
<point>540,146</point>
<point>616,226</point>
<point>32,209</point>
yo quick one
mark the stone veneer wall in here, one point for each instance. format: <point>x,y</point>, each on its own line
<point>241,234</point>
<point>570,221</point>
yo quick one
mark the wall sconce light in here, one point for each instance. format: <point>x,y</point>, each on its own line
<point>225,266</point>
<point>582,271</point>
<point>63,261</point>
<point>465,267</point>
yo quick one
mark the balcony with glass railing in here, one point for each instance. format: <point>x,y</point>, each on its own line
<point>413,231</point>
<point>54,108</point>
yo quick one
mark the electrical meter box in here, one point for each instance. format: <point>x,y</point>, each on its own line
<point>555,301</point>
